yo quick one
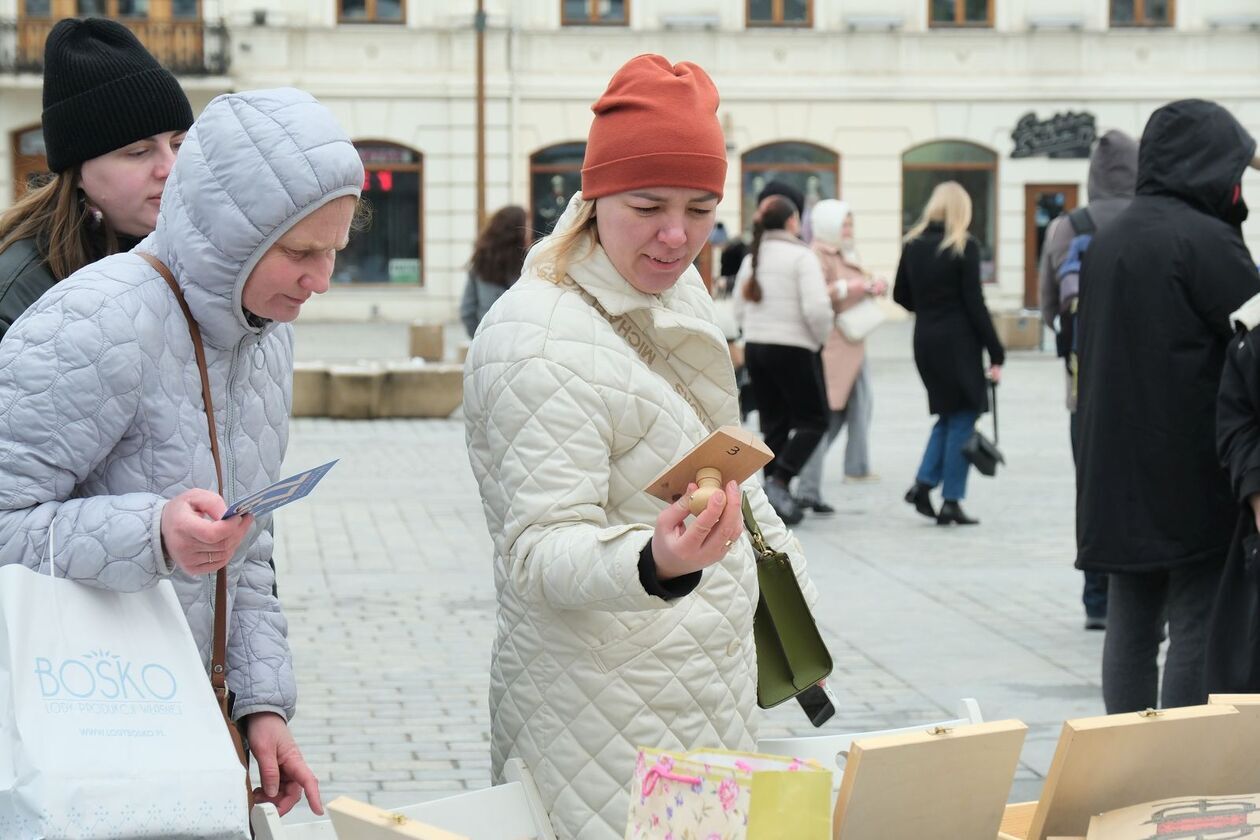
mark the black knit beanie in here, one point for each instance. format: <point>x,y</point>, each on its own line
<point>102,91</point>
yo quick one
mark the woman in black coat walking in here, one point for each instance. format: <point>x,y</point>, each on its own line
<point>938,279</point>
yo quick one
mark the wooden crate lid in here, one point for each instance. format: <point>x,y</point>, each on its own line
<point>948,783</point>
<point>355,820</point>
<point>1113,761</point>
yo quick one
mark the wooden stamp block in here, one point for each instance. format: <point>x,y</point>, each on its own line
<point>729,454</point>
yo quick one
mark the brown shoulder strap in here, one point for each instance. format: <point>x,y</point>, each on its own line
<point>218,662</point>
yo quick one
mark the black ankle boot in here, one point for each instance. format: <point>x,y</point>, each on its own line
<point>952,514</point>
<point>920,496</point>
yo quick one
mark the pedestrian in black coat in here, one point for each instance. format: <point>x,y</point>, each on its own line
<point>1233,646</point>
<point>1153,506</point>
<point>938,279</point>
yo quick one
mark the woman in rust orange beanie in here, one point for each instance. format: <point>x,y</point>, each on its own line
<point>621,622</point>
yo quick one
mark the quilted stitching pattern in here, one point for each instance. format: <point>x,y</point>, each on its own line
<point>101,416</point>
<point>565,426</point>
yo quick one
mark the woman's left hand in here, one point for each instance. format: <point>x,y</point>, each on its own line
<point>282,771</point>
<point>680,550</point>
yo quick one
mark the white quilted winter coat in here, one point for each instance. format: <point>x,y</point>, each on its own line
<point>101,415</point>
<point>566,425</point>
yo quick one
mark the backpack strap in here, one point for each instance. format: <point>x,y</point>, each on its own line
<point>1082,221</point>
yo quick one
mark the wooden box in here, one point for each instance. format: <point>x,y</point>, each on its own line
<point>940,782</point>
<point>310,390</point>
<point>427,341</point>
<point>354,820</point>
<point>1114,761</point>
<point>413,390</point>
<point>354,392</point>
<point>1194,817</point>
<point>1018,330</point>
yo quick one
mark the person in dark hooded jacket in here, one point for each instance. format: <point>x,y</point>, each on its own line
<point>1153,506</point>
<point>1112,180</point>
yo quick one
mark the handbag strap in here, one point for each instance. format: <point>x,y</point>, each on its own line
<point>625,327</point>
<point>758,540</point>
<point>993,391</point>
<point>218,660</point>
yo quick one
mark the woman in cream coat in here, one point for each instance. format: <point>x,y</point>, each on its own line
<point>621,623</point>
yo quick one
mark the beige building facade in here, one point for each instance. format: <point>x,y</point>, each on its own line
<point>871,101</point>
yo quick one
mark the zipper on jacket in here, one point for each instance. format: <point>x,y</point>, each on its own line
<point>229,471</point>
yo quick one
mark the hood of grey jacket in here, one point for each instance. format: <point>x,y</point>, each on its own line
<point>1113,167</point>
<point>252,166</point>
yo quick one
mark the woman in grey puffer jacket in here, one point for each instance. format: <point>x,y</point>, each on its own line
<point>102,424</point>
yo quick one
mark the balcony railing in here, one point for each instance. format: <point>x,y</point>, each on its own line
<point>185,47</point>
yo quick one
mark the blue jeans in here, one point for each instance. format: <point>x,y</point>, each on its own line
<point>943,458</point>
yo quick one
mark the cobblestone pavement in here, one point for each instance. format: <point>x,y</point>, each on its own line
<point>385,576</point>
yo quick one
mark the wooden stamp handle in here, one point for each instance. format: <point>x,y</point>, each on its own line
<point>709,482</point>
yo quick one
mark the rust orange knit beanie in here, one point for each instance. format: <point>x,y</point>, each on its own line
<point>655,126</point>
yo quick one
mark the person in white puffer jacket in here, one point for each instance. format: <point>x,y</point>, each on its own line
<point>782,304</point>
<point>620,623</point>
<point>103,430</point>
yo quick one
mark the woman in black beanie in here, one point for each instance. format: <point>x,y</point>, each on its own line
<point>113,121</point>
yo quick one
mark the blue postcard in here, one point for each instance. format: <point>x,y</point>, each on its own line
<point>279,494</point>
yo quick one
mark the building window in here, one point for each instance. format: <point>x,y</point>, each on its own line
<point>113,8</point>
<point>814,170</point>
<point>972,166</point>
<point>36,8</point>
<point>555,174</point>
<point>30,163</point>
<point>780,12</point>
<point>370,11</point>
<point>391,250</point>
<point>594,12</point>
<point>945,13</point>
<point>1142,12</point>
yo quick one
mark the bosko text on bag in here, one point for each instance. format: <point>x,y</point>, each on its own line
<point>731,795</point>
<point>108,726</point>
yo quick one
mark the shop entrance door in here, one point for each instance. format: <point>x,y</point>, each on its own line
<point>1042,202</point>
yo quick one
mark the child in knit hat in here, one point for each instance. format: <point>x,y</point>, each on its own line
<point>113,121</point>
<point>622,622</point>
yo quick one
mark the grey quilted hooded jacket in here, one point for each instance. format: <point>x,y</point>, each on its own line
<point>101,415</point>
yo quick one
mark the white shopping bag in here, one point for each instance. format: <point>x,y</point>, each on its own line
<point>108,725</point>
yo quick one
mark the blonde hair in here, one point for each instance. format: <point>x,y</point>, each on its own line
<point>57,218</point>
<point>553,253</point>
<point>950,205</point>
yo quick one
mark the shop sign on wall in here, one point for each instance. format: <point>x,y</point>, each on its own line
<point>1069,135</point>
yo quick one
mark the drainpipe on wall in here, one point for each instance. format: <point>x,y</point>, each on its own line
<point>514,103</point>
<point>479,24</point>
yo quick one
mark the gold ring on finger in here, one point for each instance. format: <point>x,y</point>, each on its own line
<point>729,543</point>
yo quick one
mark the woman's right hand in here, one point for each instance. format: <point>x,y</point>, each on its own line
<point>679,549</point>
<point>194,537</point>
<point>995,374</point>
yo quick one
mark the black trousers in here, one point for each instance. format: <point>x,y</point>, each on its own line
<point>1094,594</point>
<point>792,401</point>
<point>1138,605</point>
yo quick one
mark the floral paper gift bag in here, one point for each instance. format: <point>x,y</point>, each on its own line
<point>720,795</point>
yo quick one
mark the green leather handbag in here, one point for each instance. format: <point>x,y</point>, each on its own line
<point>791,654</point>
